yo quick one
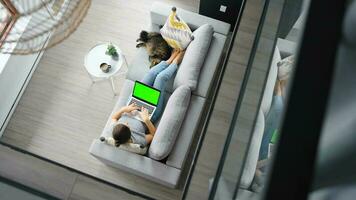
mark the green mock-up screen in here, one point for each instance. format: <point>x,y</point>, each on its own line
<point>146,93</point>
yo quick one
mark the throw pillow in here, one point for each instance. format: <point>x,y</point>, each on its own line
<point>189,69</point>
<point>169,126</point>
<point>176,32</point>
<point>134,148</point>
<point>285,67</point>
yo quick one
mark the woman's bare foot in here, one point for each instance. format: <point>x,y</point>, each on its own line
<point>178,59</point>
<point>175,52</point>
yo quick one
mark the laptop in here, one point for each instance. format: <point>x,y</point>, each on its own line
<point>144,96</point>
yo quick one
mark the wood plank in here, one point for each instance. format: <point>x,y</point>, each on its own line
<point>36,173</point>
<point>89,189</point>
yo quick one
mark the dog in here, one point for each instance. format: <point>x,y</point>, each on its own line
<point>157,48</point>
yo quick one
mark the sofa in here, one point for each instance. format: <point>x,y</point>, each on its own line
<point>168,170</point>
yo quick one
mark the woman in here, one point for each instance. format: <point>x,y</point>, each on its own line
<point>128,129</point>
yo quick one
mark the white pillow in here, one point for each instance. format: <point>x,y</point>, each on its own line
<point>134,148</point>
<point>285,67</point>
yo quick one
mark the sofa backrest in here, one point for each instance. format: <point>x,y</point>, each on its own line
<point>189,70</point>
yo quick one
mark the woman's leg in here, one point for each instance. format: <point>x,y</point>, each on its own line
<point>160,83</point>
<point>150,77</point>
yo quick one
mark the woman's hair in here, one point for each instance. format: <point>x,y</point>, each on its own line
<point>121,134</point>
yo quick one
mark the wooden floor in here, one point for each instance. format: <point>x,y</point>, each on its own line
<point>61,112</point>
<point>54,180</point>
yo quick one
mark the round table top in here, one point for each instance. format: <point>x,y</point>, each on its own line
<point>96,56</point>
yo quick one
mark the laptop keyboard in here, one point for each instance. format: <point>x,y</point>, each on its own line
<point>141,104</point>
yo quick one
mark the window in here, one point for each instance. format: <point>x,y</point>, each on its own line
<point>8,16</point>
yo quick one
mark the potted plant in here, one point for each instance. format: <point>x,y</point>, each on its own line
<point>111,50</point>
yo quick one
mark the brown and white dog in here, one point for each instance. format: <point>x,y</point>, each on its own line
<point>157,48</point>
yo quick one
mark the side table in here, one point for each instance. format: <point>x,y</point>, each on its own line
<point>96,56</point>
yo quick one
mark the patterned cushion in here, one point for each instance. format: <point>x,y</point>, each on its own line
<point>176,32</point>
<point>285,67</point>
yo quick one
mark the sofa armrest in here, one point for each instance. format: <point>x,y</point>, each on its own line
<point>137,164</point>
<point>286,47</point>
<point>160,12</point>
<point>189,128</point>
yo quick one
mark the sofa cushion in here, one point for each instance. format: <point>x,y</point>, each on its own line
<point>139,65</point>
<point>170,123</point>
<point>176,32</point>
<point>189,69</point>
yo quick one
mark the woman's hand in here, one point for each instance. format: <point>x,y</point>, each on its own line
<point>144,114</point>
<point>130,108</point>
<point>127,109</point>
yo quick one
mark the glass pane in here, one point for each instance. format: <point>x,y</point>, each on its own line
<point>334,175</point>
<point>248,109</point>
<point>225,102</point>
<point>254,129</point>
